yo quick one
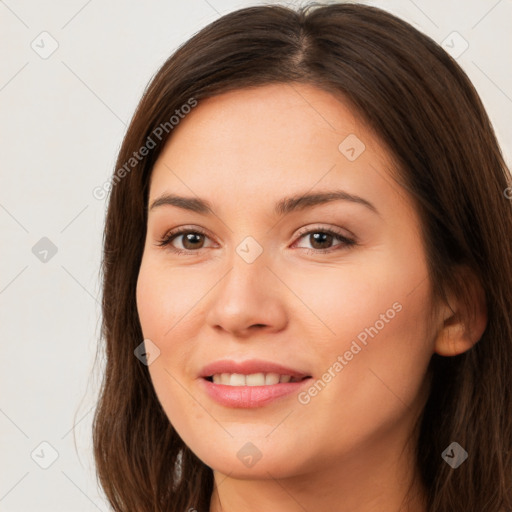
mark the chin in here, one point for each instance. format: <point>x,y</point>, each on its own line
<point>244,459</point>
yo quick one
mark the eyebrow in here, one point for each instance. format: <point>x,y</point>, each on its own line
<point>282,207</point>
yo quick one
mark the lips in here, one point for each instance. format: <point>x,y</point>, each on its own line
<point>253,379</point>
<point>249,384</point>
<point>251,367</point>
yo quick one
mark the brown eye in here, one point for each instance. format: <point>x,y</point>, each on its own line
<point>191,240</point>
<point>320,240</point>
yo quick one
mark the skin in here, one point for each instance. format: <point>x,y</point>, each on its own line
<point>346,449</point>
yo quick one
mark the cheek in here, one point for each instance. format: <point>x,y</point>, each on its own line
<point>338,303</point>
<point>163,298</point>
<point>375,316</point>
<point>167,302</point>
<point>159,309</point>
<point>146,296</point>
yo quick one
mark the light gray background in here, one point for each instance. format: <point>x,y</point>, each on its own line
<point>63,119</point>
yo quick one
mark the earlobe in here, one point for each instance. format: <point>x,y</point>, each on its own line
<point>453,338</point>
<point>462,329</point>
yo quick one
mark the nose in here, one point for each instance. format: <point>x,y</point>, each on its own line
<point>247,299</point>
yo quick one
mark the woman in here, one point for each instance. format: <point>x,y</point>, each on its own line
<point>365,370</point>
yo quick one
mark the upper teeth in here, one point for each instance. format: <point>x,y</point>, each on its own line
<point>253,379</point>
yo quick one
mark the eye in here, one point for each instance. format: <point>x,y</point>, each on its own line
<point>321,240</point>
<point>191,242</point>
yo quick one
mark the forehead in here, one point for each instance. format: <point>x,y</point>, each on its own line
<point>269,141</point>
<point>279,118</point>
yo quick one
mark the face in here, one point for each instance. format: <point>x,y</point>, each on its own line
<point>290,338</point>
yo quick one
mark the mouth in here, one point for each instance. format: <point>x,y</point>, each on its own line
<point>253,379</point>
<point>249,384</point>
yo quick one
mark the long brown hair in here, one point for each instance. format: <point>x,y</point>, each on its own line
<point>425,110</point>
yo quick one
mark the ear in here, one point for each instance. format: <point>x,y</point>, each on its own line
<point>460,328</point>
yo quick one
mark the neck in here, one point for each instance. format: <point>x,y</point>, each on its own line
<point>373,481</point>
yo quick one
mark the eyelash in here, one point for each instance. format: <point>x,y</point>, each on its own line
<point>347,243</point>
